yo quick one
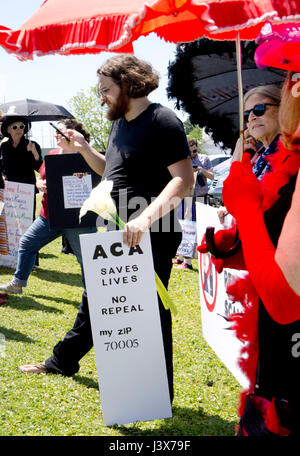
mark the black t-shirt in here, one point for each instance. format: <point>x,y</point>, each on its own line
<point>18,164</point>
<point>139,153</point>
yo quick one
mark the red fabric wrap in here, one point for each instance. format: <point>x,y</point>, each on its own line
<point>258,249</point>
<point>265,279</point>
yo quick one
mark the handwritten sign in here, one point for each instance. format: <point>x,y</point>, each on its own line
<point>18,207</point>
<point>66,191</point>
<point>76,190</point>
<point>126,328</point>
<point>187,245</point>
<point>215,302</point>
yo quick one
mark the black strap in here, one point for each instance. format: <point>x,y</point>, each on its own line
<point>212,248</point>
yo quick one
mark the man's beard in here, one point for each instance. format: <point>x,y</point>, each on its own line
<point>119,109</point>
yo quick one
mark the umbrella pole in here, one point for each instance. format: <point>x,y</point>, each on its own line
<point>240,92</point>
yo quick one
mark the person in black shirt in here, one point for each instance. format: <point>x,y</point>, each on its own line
<point>20,157</point>
<point>142,133</point>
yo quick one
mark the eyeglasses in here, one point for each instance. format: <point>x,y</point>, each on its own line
<point>258,110</point>
<point>15,127</point>
<point>102,92</point>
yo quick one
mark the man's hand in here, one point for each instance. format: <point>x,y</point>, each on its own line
<point>77,141</point>
<point>134,230</point>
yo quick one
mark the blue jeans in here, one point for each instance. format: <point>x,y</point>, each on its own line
<point>37,236</point>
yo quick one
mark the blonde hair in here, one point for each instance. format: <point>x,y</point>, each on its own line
<point>289,112</point>
<point>271,91</point>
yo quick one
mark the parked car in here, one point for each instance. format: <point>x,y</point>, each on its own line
<point>221,171</point>
<point>216,159</point>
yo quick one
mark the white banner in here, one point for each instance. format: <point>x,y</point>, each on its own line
<point>215,302</point>
<point>18,207</point>
<point>126,328</point>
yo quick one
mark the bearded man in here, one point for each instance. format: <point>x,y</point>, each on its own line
<point>149,162</point>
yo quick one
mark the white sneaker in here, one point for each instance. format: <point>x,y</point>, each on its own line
<point>11,288</point>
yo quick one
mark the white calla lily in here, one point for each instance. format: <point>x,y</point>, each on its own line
<point>101,202</point>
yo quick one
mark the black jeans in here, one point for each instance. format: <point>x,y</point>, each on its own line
<point>78,341</point>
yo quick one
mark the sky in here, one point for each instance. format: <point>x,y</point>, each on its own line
<point>57,78</point>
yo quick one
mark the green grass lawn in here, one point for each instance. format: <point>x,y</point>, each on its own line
<point>206,393</point>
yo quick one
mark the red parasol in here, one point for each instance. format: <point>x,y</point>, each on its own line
<point>71,27</point>
<point>92,26</point>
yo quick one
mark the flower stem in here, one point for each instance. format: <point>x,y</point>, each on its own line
<point>162,291</point>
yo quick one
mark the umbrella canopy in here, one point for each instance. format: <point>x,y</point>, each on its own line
<point>217,19</point>
<point>72,27</point>
<point>92,26</point>
<point>203,80</point>
<point>35,110</point>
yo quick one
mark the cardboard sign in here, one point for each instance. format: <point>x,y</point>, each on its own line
<point>126,328</point>
<point>18,207</point>
<point>215,302</point>
<point>187,245</point>
<point>67,192</point>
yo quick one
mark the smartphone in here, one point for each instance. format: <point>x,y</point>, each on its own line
<point>59,131</point>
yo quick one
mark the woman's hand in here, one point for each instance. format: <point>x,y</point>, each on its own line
<point>249,146</point>
<point>241,189</point>
<point>41,185</point>
<point>222,213</point>
<point>31,148</point>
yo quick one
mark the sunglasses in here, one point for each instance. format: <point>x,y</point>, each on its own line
<point>258,110</point>
<point>15,127</point>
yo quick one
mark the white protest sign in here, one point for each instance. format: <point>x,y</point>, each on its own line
<point>215,302</point>
<point>18,207</point>
<point>126,328</point>
<point>187,245</point>
<point>76,190</point>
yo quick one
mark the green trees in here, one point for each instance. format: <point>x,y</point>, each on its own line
<point>86,107</point>
<point>194,131</point>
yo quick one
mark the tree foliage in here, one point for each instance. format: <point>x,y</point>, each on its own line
<point>86,108</point>
<point>194,131</point>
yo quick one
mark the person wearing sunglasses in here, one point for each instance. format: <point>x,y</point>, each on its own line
<point>267,217</point>
<point>261,135</point>
<point>20,157</point>
<point>261,108</point>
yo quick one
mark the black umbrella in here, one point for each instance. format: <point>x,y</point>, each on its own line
<point>35,110</point>
<point>203,79</point>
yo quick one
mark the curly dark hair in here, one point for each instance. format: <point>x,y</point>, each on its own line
<point>75,125</point>
<point>135,75</point>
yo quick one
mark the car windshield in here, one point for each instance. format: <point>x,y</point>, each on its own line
<point>222,167</point>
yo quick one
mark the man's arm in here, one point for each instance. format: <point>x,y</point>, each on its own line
<point>209,173</point>
<point>94,159</point>
<point>167,200</point>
